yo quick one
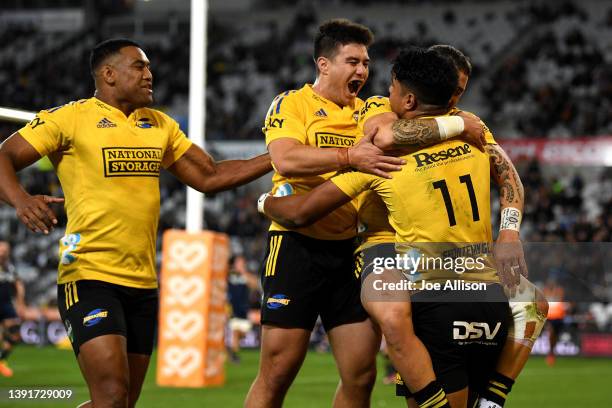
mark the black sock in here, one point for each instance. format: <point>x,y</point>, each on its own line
<point>498,388</point>
<point>431,396</point>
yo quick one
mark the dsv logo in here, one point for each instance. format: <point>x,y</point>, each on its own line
<point>424,159</point>
<point>473,330</point>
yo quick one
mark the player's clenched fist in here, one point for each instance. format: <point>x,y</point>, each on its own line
<point>35,213</point>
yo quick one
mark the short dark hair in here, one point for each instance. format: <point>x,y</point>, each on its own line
<point>431,77</point>
<point>340,31</point>
<point>107,48</point>
<point>461,61</point>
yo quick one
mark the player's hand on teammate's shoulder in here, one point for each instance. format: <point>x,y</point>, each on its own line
<point>368,158</point>
<point>473,130</point>
<point>35,213</point>
<point>510,259</point>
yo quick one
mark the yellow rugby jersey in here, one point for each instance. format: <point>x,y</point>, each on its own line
<point>314,121</point>
<point>442,195</point>
<point>373,217</point>
<point>108,165</point>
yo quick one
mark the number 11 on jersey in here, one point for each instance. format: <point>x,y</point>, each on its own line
<point>442,186</point>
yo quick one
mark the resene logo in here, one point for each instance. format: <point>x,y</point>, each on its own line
<point>132,161</point>
<point>425,159</point>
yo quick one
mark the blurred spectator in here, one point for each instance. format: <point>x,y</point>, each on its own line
<point>557,308</point>
<point>558,84</point>
<point>240,283</point>
<point>12,305</point>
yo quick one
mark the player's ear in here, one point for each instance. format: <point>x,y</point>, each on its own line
<point>107,74</point>
<point>410,101</point>
<point>323,65</point>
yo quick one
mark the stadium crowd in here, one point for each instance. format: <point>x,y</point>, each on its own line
<point>549,74</point>
<point>560,84</point>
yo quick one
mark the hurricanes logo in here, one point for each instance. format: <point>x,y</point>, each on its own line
<point>94,317</point>
<point>370,104</point>
<point>132,161</point>
<point>144,123</point>
<point>277,301</point>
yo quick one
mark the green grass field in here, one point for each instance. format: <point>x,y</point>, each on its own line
<point>573,382</point>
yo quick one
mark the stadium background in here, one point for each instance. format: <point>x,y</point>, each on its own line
<point>542,82</point>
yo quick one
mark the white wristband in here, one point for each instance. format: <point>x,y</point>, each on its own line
<point>450,126</point>
<point>510,219</point>
<point>261,201</point>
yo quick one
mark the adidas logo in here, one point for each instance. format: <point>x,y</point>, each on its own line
<point>105,123</point>
<point>321,113</point>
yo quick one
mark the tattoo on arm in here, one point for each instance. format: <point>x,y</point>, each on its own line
<point>506,177</point>
<point>415,132</point>
<point>507,191</point>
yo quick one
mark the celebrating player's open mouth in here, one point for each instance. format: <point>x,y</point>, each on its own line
<point>354,86</point>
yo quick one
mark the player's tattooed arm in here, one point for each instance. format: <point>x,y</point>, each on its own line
<point>508,250</point>
<point>394,133</point>
<point>506,177</point>
<point>416,132</point>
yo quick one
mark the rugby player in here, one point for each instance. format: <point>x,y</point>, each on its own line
<point>11,288</point>
<point>423,83</point>
<point>308,272</point>
<point>108,151</point>
<point>528,304</point>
